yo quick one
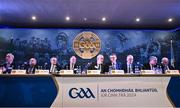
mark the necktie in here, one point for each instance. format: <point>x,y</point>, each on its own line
<point>30,70</point>
<point>71,66</point>
<point>166,68</point>
<point>100,67</point>
<point>52,68</point>
<point>114,66</point>
<point>129,68</point>
<point>151,67</point>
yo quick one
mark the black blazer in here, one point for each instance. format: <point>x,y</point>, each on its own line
<point>118,65</point>
<point>163,68</point>
<point>58,67</point>
<point>124,67</point>
<point>147,66</point>
<point>8,69</point>
<point>28,69</point>
<point>93,67</point>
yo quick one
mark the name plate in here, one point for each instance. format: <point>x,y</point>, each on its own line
<point>93,72</point>
<point>41,72</point>
<point>66,72</point>
<point>147,72</point>
<point>117,72</point>
<point>172,72</point>
<point>18,72</point>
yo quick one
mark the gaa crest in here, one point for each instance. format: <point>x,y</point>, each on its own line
<point>87,45</point>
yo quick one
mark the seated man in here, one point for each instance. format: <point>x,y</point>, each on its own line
<point>113,63</point>
<point>32,66</point>
<point>129,67</point>
<point>151,65</point>
<point>54,66</point>
<point>8,65</point>
<point>98,65</point>
<point>165,65</point>
<point>72,64</point>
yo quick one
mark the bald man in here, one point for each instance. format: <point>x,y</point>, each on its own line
<point>165,64</point>
<point>129,66</point>
<point>72,65</point>
<point>99,64</point>
<point>32,66</point>
<point>54,66</point>
<point>8,65</point>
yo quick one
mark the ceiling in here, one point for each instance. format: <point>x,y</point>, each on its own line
<point>153,14</point>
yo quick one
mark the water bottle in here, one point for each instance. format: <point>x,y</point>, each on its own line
<point>19,67</point>
<point>67,67</point>
<point>40,67</point>
<point>110,69</point>
<point>78,70</point>
<point>159,70</point>
<point>137,70</point>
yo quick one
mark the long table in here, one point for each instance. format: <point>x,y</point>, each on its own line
<point>90,90</point>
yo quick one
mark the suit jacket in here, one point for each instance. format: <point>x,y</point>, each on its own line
<point>8,68</point>
<point>68,67</point>
<point>164,68</point>
<point>31,69</point>
<point>93,66</point>
<point>58,67</point>
<point>124,67</point>
<point>147,66</point>
<point>118,65</point>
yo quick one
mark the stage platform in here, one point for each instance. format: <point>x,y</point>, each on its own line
<point>90,90</point>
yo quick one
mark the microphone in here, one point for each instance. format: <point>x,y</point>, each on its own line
<point>23,66</point>
<point>45,65</point>
<point>88,64</point>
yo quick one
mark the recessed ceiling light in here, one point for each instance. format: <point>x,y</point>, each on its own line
<point>85,19</point>
<point>33,18</point>
<point>67,18</point>
<point>170,20</point>
<point>138,19</point>
<point>103,19</point>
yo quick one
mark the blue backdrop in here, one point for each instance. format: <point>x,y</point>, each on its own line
<point>45,43</point>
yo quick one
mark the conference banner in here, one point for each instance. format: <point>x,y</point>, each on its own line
<point>112,92</point>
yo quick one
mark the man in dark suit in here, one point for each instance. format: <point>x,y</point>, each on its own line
<point>72,64</point>
<point>54,66</point>
<point>32,66</point>
<point>129,67</point>
<point>165,65</point>
<point>113,63</point>
<point>8,65</point>
<point>98,65</point>
<point>151,65</point>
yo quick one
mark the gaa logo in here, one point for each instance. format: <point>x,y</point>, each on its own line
<point>87,45</point>
<point>81,93</point>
